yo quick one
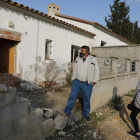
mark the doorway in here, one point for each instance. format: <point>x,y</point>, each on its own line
<point>7,55</point>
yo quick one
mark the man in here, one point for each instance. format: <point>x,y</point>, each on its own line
<point>85,76</point>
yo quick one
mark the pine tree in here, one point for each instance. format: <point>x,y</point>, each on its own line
<point>119,20</point>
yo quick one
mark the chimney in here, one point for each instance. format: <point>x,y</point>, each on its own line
<point>52,9</point>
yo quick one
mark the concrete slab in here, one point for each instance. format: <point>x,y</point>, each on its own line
<point>29,120</point>
<point>17,136</point>
<point>15,109</point>
<point>60,122</point>
<point>7,96</point>
<point>7,127</point>
<point>47,125</point>
<point>3,88</point>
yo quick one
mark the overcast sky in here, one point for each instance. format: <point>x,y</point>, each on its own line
<point>93,10</point>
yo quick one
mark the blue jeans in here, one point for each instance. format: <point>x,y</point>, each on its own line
<point>86,90</point>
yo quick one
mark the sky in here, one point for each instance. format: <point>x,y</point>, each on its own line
<point>93,10</point>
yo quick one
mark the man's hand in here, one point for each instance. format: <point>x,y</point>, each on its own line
<point>130,102</point>
<point>93,84</point>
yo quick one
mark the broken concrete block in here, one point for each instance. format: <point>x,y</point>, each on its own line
<point>60,122</point>
<point>3,88</point>
<point>7,127</point>
<point>47,125</point>
<point>8,96</point>
<point>49,113</point>
<point>29,120</point>
<point>14,109</point>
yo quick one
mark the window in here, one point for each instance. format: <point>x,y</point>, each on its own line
<point>48,49</point>
<point>74,52</point>
<point>133,66</point>
<point>103,43</point>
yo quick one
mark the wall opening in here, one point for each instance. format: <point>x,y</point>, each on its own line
<point>7,54</point>
<point>74,52</point>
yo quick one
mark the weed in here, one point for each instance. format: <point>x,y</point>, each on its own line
<point>115,102</point>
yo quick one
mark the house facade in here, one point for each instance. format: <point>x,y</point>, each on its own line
<point>31,39</point>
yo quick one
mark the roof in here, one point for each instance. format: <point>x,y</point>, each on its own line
<point>92,23</point>
<point>45,15</point>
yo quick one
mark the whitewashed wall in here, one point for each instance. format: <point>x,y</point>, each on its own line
<point>32,44</point>
<point>100,35</point>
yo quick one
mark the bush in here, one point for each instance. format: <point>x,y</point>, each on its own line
<point>69,74</point>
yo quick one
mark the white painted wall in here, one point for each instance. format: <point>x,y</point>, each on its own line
<point>32,45</point>
<point>100,35</point>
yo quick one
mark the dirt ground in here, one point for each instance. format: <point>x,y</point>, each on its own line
<point>107,122</point>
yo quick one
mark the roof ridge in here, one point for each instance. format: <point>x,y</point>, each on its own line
<point>92,23</point>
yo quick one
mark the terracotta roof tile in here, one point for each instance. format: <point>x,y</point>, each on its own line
<point>91,23</point>
<point>45,15</point>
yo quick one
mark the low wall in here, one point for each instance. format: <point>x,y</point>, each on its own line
<point>116,83</point>
<point>108,87</point>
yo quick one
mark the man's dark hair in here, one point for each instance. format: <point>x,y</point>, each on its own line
<point>86,48</point>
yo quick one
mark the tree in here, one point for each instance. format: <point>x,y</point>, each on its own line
<point>119,20</point>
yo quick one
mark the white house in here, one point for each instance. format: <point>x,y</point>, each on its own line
<point>29,39</point>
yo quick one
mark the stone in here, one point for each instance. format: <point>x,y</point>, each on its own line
<point>60,122</point>
<point>90,132</point>
<point>49,113</point>
<point>62,133</point>
<point>29,87</point>
<point>94,135</point>
<point>3,88</point>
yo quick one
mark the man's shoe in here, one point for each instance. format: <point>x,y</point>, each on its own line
<point>66,115</point>
<point>133,134</point>
<point>87,118</point>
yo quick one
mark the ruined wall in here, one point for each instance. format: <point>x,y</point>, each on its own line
<point>116,83</point>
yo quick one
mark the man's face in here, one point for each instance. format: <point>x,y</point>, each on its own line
<point>84,52</point>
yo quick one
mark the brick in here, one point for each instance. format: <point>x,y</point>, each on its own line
<point>7,97</point>
<point>17,39</point>
<point>12,79</point>
<point>1,31</point>
<point>7,33</point>
<point>2,75</point>
<point>2,36</point>
<point>3,82</point>
<point>9,75</point>
<point>4,79</point>
<point>19,36</point>
<point>9,83</point>
<point>10,37</point>
<point>14,35</point>
<point>16,75</point>
<point>7,127</point>
<point>29,120</point>
<point>15,109</point>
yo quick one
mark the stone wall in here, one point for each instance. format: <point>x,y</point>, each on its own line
<point>114,83</point>
<point>19,121</point>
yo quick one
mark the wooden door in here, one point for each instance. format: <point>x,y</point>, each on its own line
<point>7,56</point>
